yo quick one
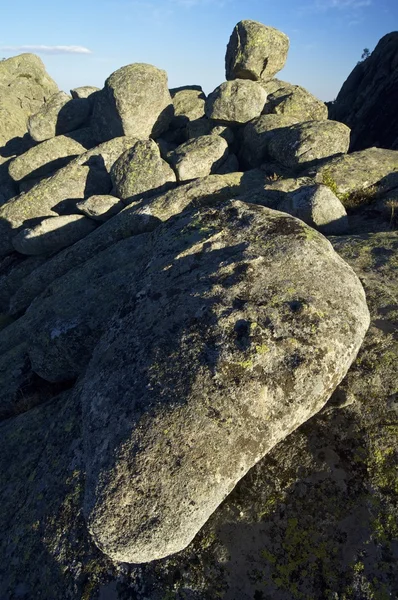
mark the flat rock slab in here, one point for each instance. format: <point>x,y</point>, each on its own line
<point>235,338</point>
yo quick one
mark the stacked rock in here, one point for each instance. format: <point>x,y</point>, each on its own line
<point>172,269</point>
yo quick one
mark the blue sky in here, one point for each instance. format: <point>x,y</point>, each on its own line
<point>83,41</point>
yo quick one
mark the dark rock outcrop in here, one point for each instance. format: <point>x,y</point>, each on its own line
<point>368,100</point>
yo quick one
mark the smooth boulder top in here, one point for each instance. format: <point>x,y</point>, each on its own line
<point>244,323</point>
<point>135,101</point>
<point>255,51</point>
<point>140,172</point>
<point>24,86</point>
<point>236,102</point>
<point>60,114</point>
<point>300,145</point>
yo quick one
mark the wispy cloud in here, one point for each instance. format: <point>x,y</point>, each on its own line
<point>341,4</point>
<point>42,49</point>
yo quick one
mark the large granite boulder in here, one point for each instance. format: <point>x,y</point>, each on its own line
<point>207,383</point>
<point>141,172</point>
<point>367,102</point>
<point>60,114</point>
<point>236,102</point>
<point>255,51</point>
<point>294,101</point>
<point>24,87</point>
<point>199,157</point>
<point>301,145</point>
<point>135,101</point>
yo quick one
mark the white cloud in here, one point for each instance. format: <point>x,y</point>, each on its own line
<point>341,4</point>
<point>42,49</point>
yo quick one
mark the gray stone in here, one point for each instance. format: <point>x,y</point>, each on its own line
<point>188,106</point>
<point>199,157</point>
<point>14,274</point>
<point>63,327</point>
<point>236,102</point>
<point>257,136</point>
<point>141,172</point>
<point>204,126</point>
<point>84,91</point>
<point>24,87</point>
<point>317,206</point>
<point>85,176</point>
<point>134,102</point>
<point>204,191</point>
<point>133,220</point>
<point>53,234</point>
<point>100,208</point>
<point>190,390</point>
<point>15,375</point>
<point>300,145</point>
<point>294,101</point>
<point>59,115</point>
<point>367,102</point>
<point>45,158</point>
<point>358,170</point>
<point>255,51</point>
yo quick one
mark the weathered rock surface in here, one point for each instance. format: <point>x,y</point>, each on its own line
<point>85,176</point>
<point>135,102</point>
<point>133,220</point>
<point>257,136</point>
<point>63,328</point>
<point>215,390</point>
<point>84,91</point>
<point>45,158</point>
<point>100,208</point>
<point>300,145</point>
<point>52,234</point>
<point>204,126</point>
<point>358,170</point>
<point>236,102</point>
<point>141,172</point>
<point>59,115</point>
<point>294,101</point>
<point>188,106</point>
<point>368,99</point>
<point>199,157</point>
<point>319,207</point>
<point>255,51</point>
<point>24,87</point>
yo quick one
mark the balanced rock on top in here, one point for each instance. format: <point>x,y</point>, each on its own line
<point>255,51</point>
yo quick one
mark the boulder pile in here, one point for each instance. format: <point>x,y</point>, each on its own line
<point>170,309</point>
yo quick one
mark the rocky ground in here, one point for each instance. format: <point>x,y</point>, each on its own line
<point>198,339</point>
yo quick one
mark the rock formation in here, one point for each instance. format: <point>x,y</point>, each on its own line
<point>192,403</point>
<point>368,100</point>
